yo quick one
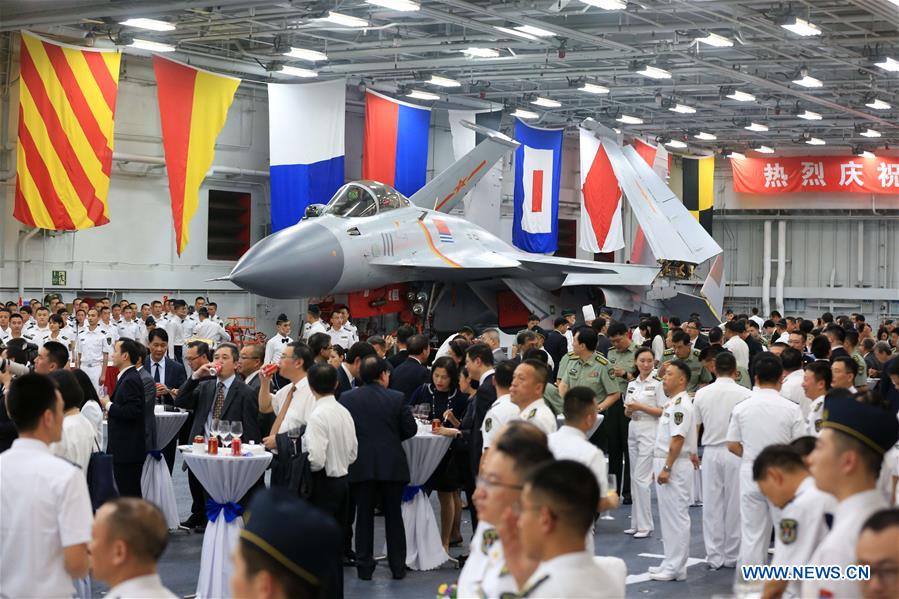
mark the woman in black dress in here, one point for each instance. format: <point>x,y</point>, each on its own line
<point>448,405</point>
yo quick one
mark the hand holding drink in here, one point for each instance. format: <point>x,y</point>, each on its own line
<point>269,369</point>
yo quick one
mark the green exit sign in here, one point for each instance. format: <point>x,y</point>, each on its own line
<point>59,278</point>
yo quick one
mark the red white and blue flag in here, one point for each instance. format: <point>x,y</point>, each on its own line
<point>395,150</point>
<point>538,167</point>
<point>446,236</point>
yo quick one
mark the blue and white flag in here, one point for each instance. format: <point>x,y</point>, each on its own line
<point>306,142</point>
<point>538,166</point>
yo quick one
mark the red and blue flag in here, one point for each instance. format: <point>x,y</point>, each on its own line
<point>395,150</point>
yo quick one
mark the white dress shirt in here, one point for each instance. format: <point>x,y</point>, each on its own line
<point>569,443</point>
<point>713,405</point>
<point>501,412</point>
<point>46,507</point>
<point>838,547</point>
<point>157,365</point>
<point>275,347</point>
<point>739,349</point>
<point>77,441</point>
<point>300,405</point>
<point>764,419</point>
<point>330,437</point>
<point>539,414</point>
<point>207,329</point>
<point>572,575</point>
<point>142,587</point>
<point>94,414</point>
<point>792,390</point>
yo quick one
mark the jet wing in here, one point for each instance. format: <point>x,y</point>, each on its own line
<point>443,260</point>
<point>447,189</point>
<point>582,272</point>
<point>671,231</point>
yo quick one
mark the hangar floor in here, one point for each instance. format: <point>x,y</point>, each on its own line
<point>181,561</point>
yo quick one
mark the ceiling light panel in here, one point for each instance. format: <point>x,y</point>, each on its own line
<point>149,24</point>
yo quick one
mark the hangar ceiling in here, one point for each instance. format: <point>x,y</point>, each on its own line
<point>715,67</point>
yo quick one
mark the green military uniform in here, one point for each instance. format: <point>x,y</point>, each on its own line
<point>742,377</point>
<point>594,373</point>
<point>563,365</point>
<point>625,360</point>
<point>552,398</point>
<point>861,372</point>
<point>698,374</point>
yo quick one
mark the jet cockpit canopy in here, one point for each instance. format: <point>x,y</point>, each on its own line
<point>365,198</point>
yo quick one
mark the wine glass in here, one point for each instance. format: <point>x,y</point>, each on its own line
<point>215,427</point>
<point>236,429</point>
<point>225,432</point>
<point>613,489</point>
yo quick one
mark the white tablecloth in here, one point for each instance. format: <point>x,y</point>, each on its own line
<point>155,479</point>
<point>424,550</point>
<point>226,479</point>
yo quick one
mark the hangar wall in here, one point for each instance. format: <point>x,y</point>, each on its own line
<point>826,267</point>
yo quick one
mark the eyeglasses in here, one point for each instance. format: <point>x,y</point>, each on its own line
<point>490,484</point>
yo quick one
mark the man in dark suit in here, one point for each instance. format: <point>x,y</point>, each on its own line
<point>836,335</point>
<point>697,339</point>
<point>168,376</point>
<point>412,374</point>
<point>127,419</point>
<point>479,363</point>
<point>557,344</point>
<point>250,367</point>
<point>149,400</point>
<point>348,373</point>
<point>382,422</point>
<point>222,397</point>
<point>524,341</point>
<point>402,337</point>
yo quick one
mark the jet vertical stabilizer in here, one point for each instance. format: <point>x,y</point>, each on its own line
<point>447,189</point>
<point>672,233</point>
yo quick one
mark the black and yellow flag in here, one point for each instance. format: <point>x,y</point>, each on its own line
<point>694,184</point>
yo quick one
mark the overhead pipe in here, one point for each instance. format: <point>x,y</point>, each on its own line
<point>781,265</point>
<point>860,278</point>
<point>766,269</point>
<point>159,160</point>
<point>20,261</point>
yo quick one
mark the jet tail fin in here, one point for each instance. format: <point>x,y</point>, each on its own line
<point>446,190</point>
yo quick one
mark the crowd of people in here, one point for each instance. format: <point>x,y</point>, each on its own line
<point>777,426</point>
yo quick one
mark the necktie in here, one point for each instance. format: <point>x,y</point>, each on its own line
<point>276,427</point>
<point>156,372</point>
<point>219,401</point>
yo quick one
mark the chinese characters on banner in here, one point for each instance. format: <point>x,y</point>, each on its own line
<point>847,174</point>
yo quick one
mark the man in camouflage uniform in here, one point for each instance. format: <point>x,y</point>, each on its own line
<point>681,350</point>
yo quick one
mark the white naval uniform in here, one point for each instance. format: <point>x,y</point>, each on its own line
<point>35,334</point>
<point>5,334</point>
<point>501,411</point>
<point>573,575</point>
<point>207,329</point>
<point>340,337</point>
<point>641,438</point>
<point>92,344</point>
<point>539,414</point>
<point>764,419</point>
<point>145,587</point>
<point>275,347</point>
<point>132,329</point>
<point>792,390</point>
<point>353,332</point>
<point>801,527</point>
<point>713,406</point>
<point>815,417</point>
<point>838,547</point>
<point>569,443</point>
<point>674,496</point>
<point>61,337</point>
<point>484,572</point>
<point>310,329</point>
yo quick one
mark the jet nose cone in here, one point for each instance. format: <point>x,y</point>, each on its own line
<point>305,260</point>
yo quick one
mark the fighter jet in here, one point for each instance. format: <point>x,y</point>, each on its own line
<point>370,235</point>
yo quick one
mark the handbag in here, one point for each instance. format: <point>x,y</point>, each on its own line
<point>101,478</point>
<point>292,469</point>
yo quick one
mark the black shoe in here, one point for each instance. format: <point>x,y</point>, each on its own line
<point>193,521</point>
<point>399,575</point>
<point>364,574</point>
<point>349,560</point>
<point>201,527</point>
<point>627,500</point>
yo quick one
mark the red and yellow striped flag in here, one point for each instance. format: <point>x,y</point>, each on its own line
<point>193,106</point>
<point>67,98</point>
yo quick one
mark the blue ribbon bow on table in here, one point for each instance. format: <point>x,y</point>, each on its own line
<point>232,510</point>
<point>156,454</point>
<point>410,491</point>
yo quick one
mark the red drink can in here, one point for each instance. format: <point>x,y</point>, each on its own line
<point>269,369</point>
<point>235,446</point>
<point>198,439</point>
<point>213,447</point>
<point>435,424</point>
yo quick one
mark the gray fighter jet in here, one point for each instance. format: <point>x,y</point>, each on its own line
<point>370,235</point>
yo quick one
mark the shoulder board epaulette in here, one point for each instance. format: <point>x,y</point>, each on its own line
<point>668,352</point>
<point>696,352</point>
<point>601,359</point>
<point>572,354</point>
<point>657,377</point>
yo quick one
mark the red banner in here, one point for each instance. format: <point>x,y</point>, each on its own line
<point>846,174</point>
